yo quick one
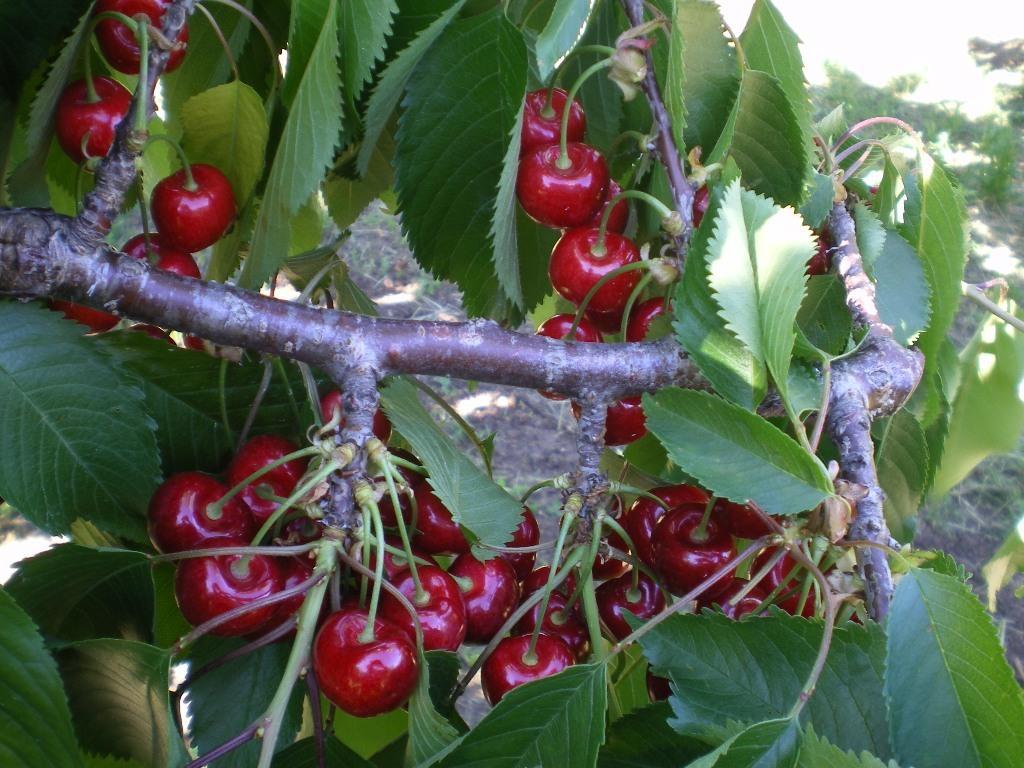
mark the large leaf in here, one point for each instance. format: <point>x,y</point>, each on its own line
<point>348,197</point>
<point>78,593</point>
<point>901,455</point>
<point>304,151</point>
<point>952,697</point>
<point>560,33</point>
<point>769,744</point>
<point>735,453</point>
<point>823,317</point>
<point>901,289</point>
<point>305,33</point>
<point>363,26</point>
<point>816,752</point>
<point>35,723</point>
<point>870,234</point>
<point>430,735</point>
<point>454,139</point>
<point>1004,564</point>
<point>74,437</point>
<point>504,226</point>
<point>27,34</point>
<point>643,739</point>
<point>722,670</point>
<point>555,721</point>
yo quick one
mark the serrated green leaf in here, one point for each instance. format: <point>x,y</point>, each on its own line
<point>805,387</point>
<point>431,737</point>
<point>674,88</point>
<point>35,723</point>
<point>534,245</point>
<point>901,456</point>
<point>823,317</point>
<point>629,676</point>
<point>643,739</point>
<point>952,696</point>
<point>735,453</point>
<point>504,226</point>
<point>27,35</point>
<point>819,200</point>
<point>770,744</point>
<point>555,721</point>
<point>832,124</point>
<point>347,198</point>
<point>74,437</point>
<point>302,754</point>
<point>870,234</point>
<point>305,33</point>
<point>901,289</point>
<point>816,752</point>
<point>560,33</point>
<point>77,593</point>
<point>363,26</point>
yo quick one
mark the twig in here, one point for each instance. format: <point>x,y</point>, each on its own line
<point>975,294</point>
<point>228,746</point>
<point>317,716</point>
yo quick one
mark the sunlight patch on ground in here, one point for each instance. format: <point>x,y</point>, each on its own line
<point>407,295</point>
<point>480,401</point>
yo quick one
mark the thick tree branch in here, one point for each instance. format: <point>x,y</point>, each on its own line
<point>849,265</point>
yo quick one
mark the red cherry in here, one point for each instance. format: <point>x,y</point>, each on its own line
<point>567,626</point>
<point>330,404</point>
<point>192,219</point>
<point>558,326</point>
<point>625,422</point>
<point>740,520</point>
<point>785,572</point>
<point>701,201</point>
<point>608,567</point>
<point>526,534</point>
<point>685,561</point>
<point>539,578</point>
<point>616,597</point>
<point>153,332</point>
<point>118,43</point>
<point>364,678</point>
<point>606,322</point>
<point>820,261</point>
<point>77,116</point>
<point>619,216</point>
<point>180,518</point>
<point>557,197</point>
<point>490,592</point>
<point>96,320</point>
<point>294,571</point>
<point>643,316</point>
<point>256,454</point>
<point>643,515</point>
<point>743,607</point>
<point>574,269</point>
<point>507,667</point>
<point>207,587</point>
<point>658,688</point>
<point>394,563</point>
<point>436,531</point>
<point>194,343</point>
<point>543,131</point>
<point>165,257</point>
<point>440,608</point>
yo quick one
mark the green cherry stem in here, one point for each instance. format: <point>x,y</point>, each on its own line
<point>216,508</point>
<point>586,564</point>
<point>549,587</point>
<point>142,88</point>
<point>633,296</point>
<point>627,194</point>
<point>605,279</point>
<point>222,392</point>
<point>186,167</point>
<point>563,162</point>
<point>90,88</point>
<point>321,474</point>
<point>605,50</point>
<point>271,49</point>
<point>536,487</point>
<point>634,559</point>
<point>398,461</point>
<point>389,479</point>
<point>700,533</point>
<point>362,570</point>
<point>370,503</point>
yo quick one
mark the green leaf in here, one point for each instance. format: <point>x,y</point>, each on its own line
<point>770,744</point>
<point>106,761</point>
<point>388,91</point>
<point>756,261</point>
<point>475,501</point>
<point>305,150</point>
<point>629,676</point>
<point>870,234</point>
<point>560,33</point>
<point>819,200</point>
<point>363,26</point>
<point>347,198</point>
<point>431,737</point>
<point>35,723</point>
<point>643,739</point>
<point>901,456</point>
<point>534,245</point>
<point>823,317</point>
<point>723,671</point>
<point>119,701</point>
<point>674,88</point>
<point>74,437</point>
<point>305,33</point>
<point>77,593</point>
<point>735,453</point>
<point>449,196</point>
<point>504,227</point>
<point>901,289</point>
<point>952,696</point>
<point>27,35</point>
<point>302,754</point>
<point>555,721</point>
<point>816,752</point>
<point>226,126</point>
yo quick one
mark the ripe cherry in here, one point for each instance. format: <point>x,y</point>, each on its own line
<point>490,592</point>
<point>163,256</point>
<point>96,320</point>
<point>557,197</point>
<point>330,407</point>
<point>786,572</point>
<point>743,607</point>
<point>645,315</point>
<point>565,625</point>
<point>538,578</point>
<point>625,422</point>
<point>619,216</point>
<point>153,332</point>
<point>193,216</point>
<point>207,587</point>
<point>395,563</point>
<point>542,123</point>
<point>510,666</point>
<point>180,517</point>
<point>77,117</point>
<point>294,571</point>
<point>364,678</point>
<point>701,201</point>
<point>558,326</point>
<point>440,608</point>
<point>658,688</point>
<point>606,322</point>
<point>608,566</point>
<point>437,532</point>
<point>616,597</point>
<point>740,520</point>
<point>257,453</point>
<point>119,44</point>
<point>578,262</point>
<point>820,261</point>
<point>684,556</point>
<point>526,534</point>
<point>643,515</point>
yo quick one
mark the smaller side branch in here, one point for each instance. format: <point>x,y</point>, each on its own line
<point>849,265</point>
<point>977,295</point>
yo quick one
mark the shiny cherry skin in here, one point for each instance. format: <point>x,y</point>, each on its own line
<point>701,201</point>
<point>490,592</point>
<point>740,520</point>
<point>785,572</point>
<point>745,606</point>
<point>294,571</point>
<point>153,332</point>
<point>193,219</point>
<point>257,453</point>
<point>538,578</point>
<point>681,559</point>
<point>619,216</point>
<point>77,116</point>
<point>162,256</point>
<point>557,197</point>
<point>625,422</point>
<point>820,261</point>
<point>526,534</point>
<point>96,320</point>
<point>207,587</point>
<point>364,678</point>
<point>558,326</point>
<point>643,515</point>
<point>643,316</point>
<point>330,404</point>
<point>608,567</point>
<point>575,268</point>
<point>606,322</point>
<point>542,129</point>
<point>658,688</point>
<point>509,667</point>
<point>436,531</point>
<point>616,597</point>
<point>567,626</point>
<point>442,611</point>
<point>395,563</point>
<point>118,43</point>
<point>180,517</point>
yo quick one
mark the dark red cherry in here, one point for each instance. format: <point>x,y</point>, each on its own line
<point>161,255</point>
<point>538,578</point>
<point>820,261</point>
<point>440,608</point>
<point>153,332</point>
<point>619,216</point>
<point>608,567</point>
<point>77,117</point>
<point>193,218</point>
<point>743,607</point>
<point>565,625</point>
<point>436,531</point>
<point>119,44</point>
<point>490,592</point>
<point>616,597</point>
<point>645,315</point>
<point>625,422</point>
<point>330,404</point>
<point>658,688</point>
<point>557,197</point>
<point>510,666</point>
<point>606,322</point>
<point>281,481</point>
<point>543,127</point>
<point>364,678</point>
<point>701,201</point>
<point>526,534</point>
<point>294,571</point>
<point>180,517</point>
<point>643,515</point>
<point>740,520</point>
<point>96,320</point>
<point>790,574</point>
<point>207,587</point>
<point>575,268</point>
<point>683,557</point>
